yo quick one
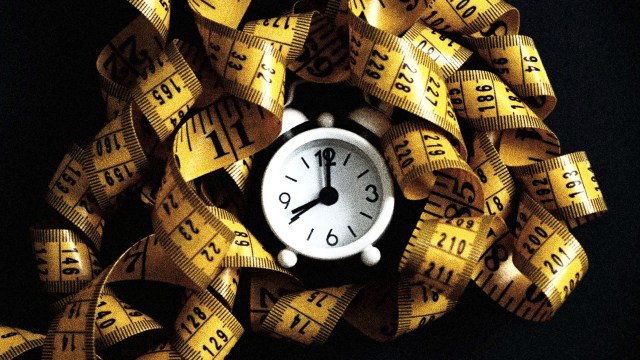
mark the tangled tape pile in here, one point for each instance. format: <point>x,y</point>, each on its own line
<point>497,213</point>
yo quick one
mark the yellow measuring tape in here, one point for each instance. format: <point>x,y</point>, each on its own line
<point>497,205</point>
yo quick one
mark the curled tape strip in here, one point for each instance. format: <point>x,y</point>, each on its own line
<point>475,18</point>
<point>447,54</point>
<point>526,74</point>
<point>69,194</point>
<point>497,183</point>
<point>206,110</point>
<point>65,262</point>
<point>547,253</point>
<point>566,186</point>
<point>15,342</point>
<point>116,321</point>
<point>497,275</point>
<point>190,234</point>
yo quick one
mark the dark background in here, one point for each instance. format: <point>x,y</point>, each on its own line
<point>50,96</point>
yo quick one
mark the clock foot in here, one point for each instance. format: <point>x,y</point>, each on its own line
<point>288,258</point>
<point>370,256</point>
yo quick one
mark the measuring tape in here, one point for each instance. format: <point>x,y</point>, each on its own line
<point>474,18</point>
<point>415,150</point>
<point>497,184</point>
<point>68,193</point>
<point>325,54</point>
<point>116,321</point>
<point>442,254</point>
<point>166,89</point>
<point>547,253</point>
<point>308,317</point>
<point>114,160</point>
<point>15,342</point>
<point>266,288</point>
<point>447,54</point>
<point>206,110</point>
<point>384,66</point>
<point>205,328</point>
<point>66,263</point>
<point>566,186</point>
<point>504,283</point>
<point>517,61</point>
<point>488,104</point>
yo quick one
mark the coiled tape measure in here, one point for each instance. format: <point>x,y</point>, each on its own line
<point>497,207</point>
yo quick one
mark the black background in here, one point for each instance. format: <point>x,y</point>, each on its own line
<point>50,96</point>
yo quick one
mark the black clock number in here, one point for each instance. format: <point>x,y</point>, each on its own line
<point>373,197</point>
<point>328,154</point>
<point>332,239</point>
<point>285,199</point>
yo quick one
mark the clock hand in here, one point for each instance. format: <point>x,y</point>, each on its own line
<point>303,209</point>
<point>328,154</point>
<point>328,196</point>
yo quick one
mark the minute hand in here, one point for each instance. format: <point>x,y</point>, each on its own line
<point>328,154</point>
<point>302,209</point>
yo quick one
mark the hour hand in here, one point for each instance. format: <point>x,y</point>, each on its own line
<point>303,208</point>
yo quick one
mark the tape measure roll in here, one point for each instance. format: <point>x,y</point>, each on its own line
<point>196,58</point>
<point>145,260</point>
<point>287,33</point>
<point>234,129</point>
<point>225,285</point>
<point>488,103</point>
<point>245,251</point>
<point>325,52</point>
<point>228,14</point>
<point>68,193</point>
<point>455,193</point>
<point>239,172</point>
<point>122,60</point>
<point>254,70</point>
<point>419,303</point>
<point>380,298</point>
<point>71,333</point>
<point>158,13</point>
<point>393,17</point>
<point>443,254</point>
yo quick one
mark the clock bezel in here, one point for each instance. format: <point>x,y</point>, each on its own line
<point>387,199</point>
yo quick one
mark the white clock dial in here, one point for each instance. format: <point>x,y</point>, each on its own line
<point>327,194</point>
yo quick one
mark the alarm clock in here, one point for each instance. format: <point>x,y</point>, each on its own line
<point>327,192</point>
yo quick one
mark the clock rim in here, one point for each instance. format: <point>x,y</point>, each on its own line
<point>383,219</point>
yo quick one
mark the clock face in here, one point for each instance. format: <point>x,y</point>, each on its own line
<point>327,194</point>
